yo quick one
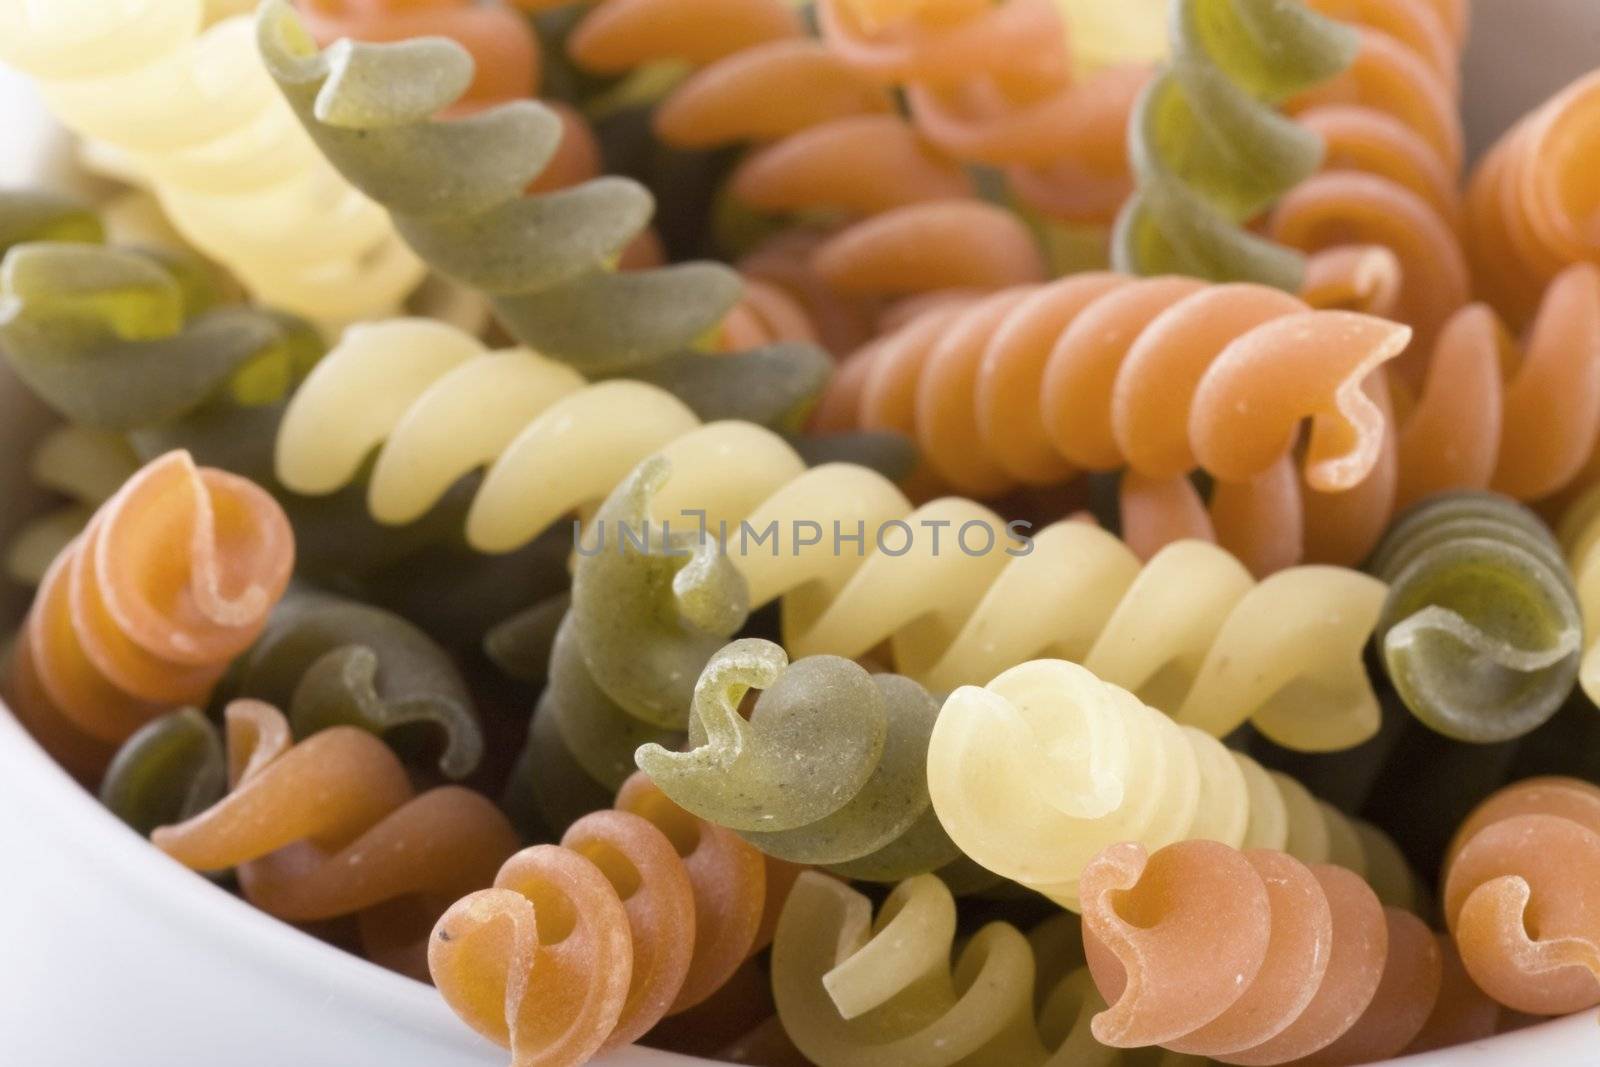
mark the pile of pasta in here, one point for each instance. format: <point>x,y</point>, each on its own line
<point>853,532</point>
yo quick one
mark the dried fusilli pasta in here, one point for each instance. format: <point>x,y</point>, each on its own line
<point>195,112</point>
<point>829,769</point>
<point>328,661</point>
<point>330,826</point>
<point>854,990</point>
<point>169,770</point>
<point>120,339</point>
<point>1102,371</point>
<point>1036,772</point>
<point>174,576</point>
<point>1530,205</point>
<point>1482,631</point>
<point>1210,151</point>
<point>456,191</point>
<point>1061,141</point>
<point>1391,125</point>
<point>1253,957</point>
<point>830,145</point>
<point>640,912</point>
<point>1519,895</point>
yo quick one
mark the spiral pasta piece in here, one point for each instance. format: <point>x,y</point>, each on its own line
<point>1391,126</point>
<point>116,339</point>
<point>1210,151</point>
<point>329,827</point>
<point>1532,199</point>
<point>641,911</point>
<point>1060,139</point>
<point>174,576</point>
<point>1253,957</point>
<point>196,113</point>
<point>456,191</point>
<point>829,768</point>
<point>504,48</point>
<point>1035,773</point>
<point>332,661</point>
<point>853,990</point>
<point>1519,895</point>
<point>1482,631</point>
<point>1535,408</point>
<point>1102,371</point>
<point>829,144</point>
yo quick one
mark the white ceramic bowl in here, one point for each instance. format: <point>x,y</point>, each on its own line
<point>113,954</point>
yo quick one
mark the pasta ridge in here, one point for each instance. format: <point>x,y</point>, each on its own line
<point>330,826</point>
<point>1035,773</point>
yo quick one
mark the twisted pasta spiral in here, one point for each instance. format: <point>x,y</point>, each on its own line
<point>1391,126</point>
<point>1519,887</point>
<point>1580,539</point>
<point>1209,150</point>
<point>828,769</point>
<point>993,84</point>
<point>829,143</point>
<point>640,912</point>
<point>1101,371</point>
<point>456,187</point>
<point>1036,772</point>
<point>118,339</point>
<point>1253,957</point>
<point>174,576</point>
<point>330,827</point>
<point>1531,201</point>
<point>441,405</point>
<point>198,116</point>
<point>853,991</point>
<point>505,51</point>
<point>1482,630</point>
<point>332,661</point>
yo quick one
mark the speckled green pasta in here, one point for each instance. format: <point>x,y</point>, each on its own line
<point>120,339</point>
<point>455,189</point>
<point>829,770</point>
<point>1209,151</point>
<point>649,608</point>
<point>1481,631</point>
<point>169,770</point>
<point>328,661</point>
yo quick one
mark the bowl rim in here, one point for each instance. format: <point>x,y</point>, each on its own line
<point>146,872</point>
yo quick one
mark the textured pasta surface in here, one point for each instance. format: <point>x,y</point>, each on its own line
<point>1253,957</point>
<point>829,768</point>
<point>336,662</point>
<point>1037,772</point>
<point>1482,631</point>
<point>174,576</point>
<point>1211,152</point>
<point>1391,129</point>
<point>1519,895</point>
<point>855,990</point>
<point>1103,371</point>
<point>642,911</point>
<point>455,188</point>
<point>195,115</point>
<point>1531,204</point>
<point>330,826</point>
